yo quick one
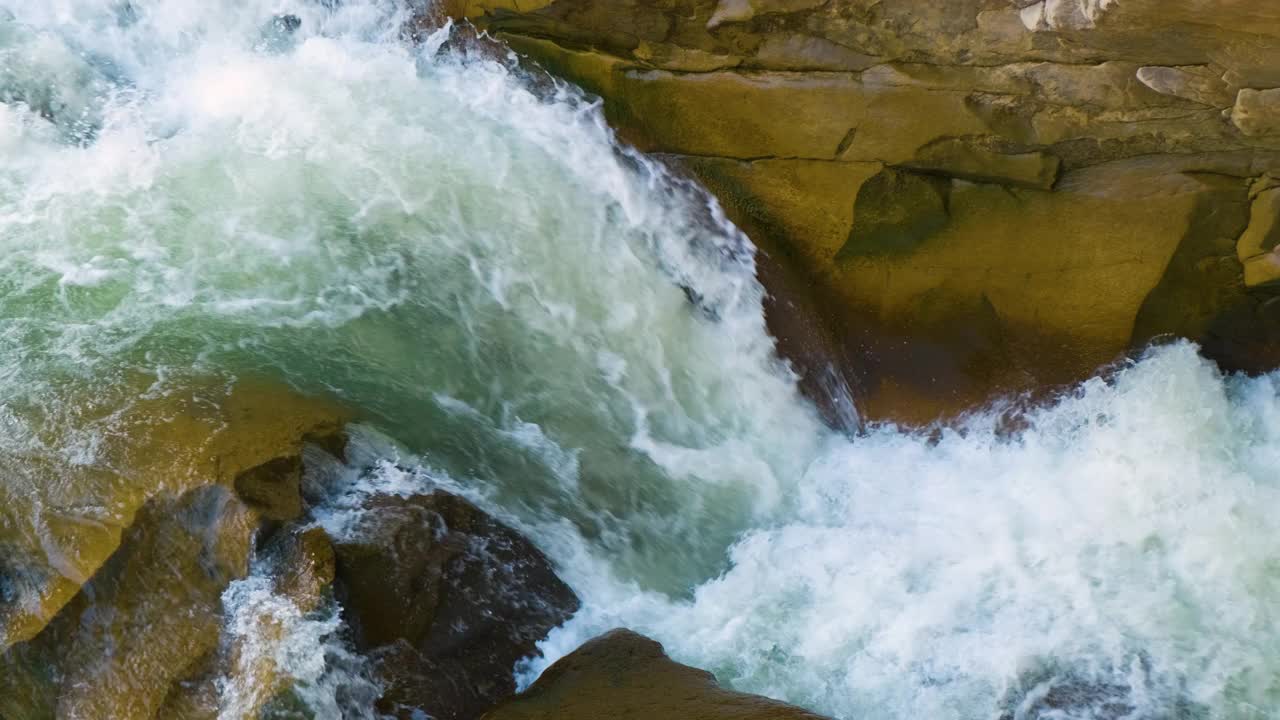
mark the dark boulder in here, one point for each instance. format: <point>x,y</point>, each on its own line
<point>445,600</point>
<point>624,676</point>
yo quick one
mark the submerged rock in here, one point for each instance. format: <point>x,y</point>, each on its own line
<point>1130,695</point>
<point>303,565</point>
<point>273,488</point>
<point>445,600</point>
<point>624,676</point>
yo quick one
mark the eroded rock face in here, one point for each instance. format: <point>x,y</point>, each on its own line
<point>625,676</point>
<point>446,600</point>
<point>1046,167</point>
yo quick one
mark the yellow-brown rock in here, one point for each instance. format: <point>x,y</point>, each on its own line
<point>982,195</point>
<point>125,570</point>
<point>1256,247</point>
<point>61,520</point>
<point>150,613</point>
<point>241,676</point>
<point>624,676</point>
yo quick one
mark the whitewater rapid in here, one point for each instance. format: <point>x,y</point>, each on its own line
<point>527,313</point>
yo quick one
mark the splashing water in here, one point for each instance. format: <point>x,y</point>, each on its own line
<point>284,188</point>
<point>270,638</point>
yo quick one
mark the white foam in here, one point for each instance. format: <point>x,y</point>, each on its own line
<point>274,648</point>
<point>1133,523</point>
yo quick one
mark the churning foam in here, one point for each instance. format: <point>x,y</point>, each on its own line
<point>550,324</point>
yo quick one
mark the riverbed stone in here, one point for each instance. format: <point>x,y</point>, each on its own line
<point>300,563</point>
<point>625,676</point>
<point>445,600</point>
<point>151,612</point>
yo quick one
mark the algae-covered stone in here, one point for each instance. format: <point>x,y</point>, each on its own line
<point>625,676</point>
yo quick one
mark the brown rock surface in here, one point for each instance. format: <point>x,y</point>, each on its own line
<point>150,613</point>
<point>60,521</point>
<point>624,676</point>
<point>273,488</point>
<point>1074,158</point>
<point>446,600</point>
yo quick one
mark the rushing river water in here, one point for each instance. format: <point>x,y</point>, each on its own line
<point>284,188</point>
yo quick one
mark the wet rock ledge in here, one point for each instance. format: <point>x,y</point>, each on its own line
<point>971,197</point>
